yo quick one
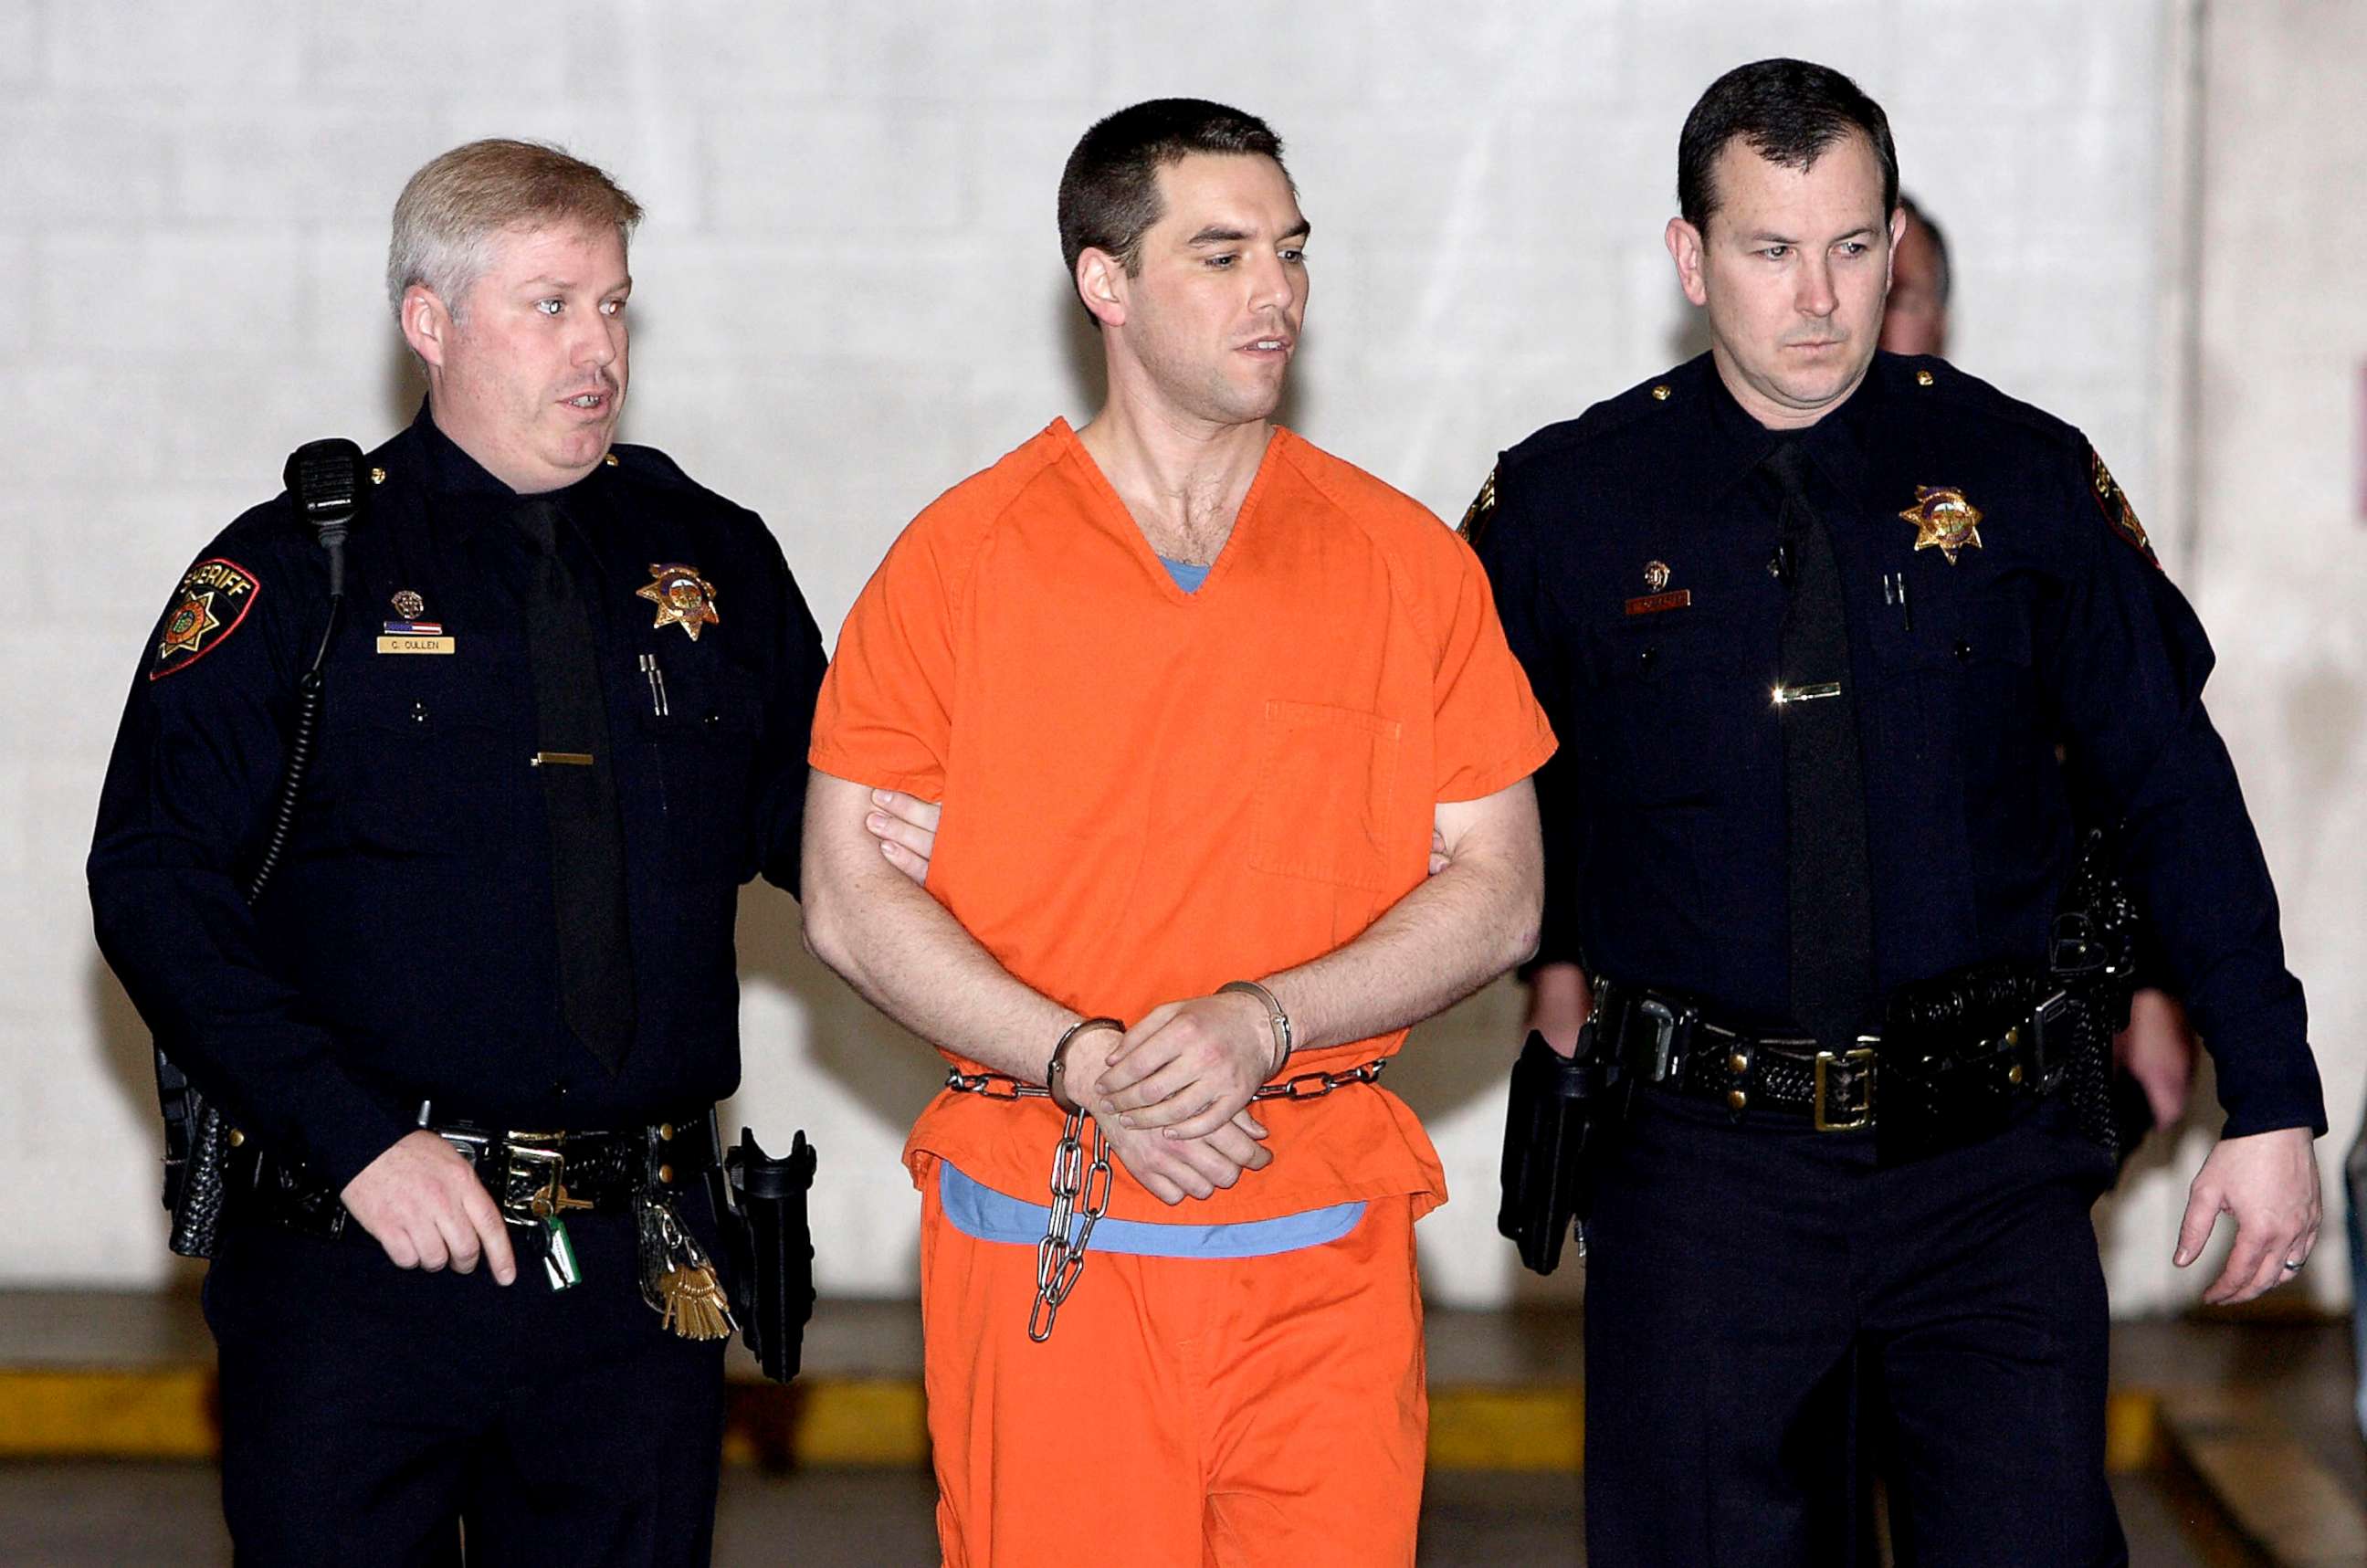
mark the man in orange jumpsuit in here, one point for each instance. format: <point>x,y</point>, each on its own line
<point>1195,697</point>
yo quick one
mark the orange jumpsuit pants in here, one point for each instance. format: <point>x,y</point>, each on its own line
<point>1186,1412</point>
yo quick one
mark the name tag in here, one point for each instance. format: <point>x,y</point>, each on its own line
<point>416,644</point>
<point>1655,604</point>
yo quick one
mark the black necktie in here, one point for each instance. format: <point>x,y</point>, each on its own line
<point>587,854</point>
<point>1824,790</point>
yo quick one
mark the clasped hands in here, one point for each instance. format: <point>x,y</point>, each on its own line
<point>1171,1094</point>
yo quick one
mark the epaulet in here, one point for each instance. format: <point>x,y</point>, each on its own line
<point>1664,392</point>
<point>1925,375</point>
<point>648,462</point>
<point>1962,395</point>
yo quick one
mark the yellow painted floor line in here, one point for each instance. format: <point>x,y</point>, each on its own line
<point>68,1413</point>
<point>170,1412</point>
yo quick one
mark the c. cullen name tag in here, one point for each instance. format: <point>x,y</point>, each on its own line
<point>409,644</point>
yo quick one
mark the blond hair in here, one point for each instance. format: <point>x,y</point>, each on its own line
<point>453,209</point>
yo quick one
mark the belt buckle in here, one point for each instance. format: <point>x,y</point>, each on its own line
<point>533,1184</point>
<point>1860,1061</point>
<point>2043,1018</point>
<point>1669,1024</point>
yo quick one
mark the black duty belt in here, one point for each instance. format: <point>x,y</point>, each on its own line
<point>1664,1040</point>
<point>533,1176</point>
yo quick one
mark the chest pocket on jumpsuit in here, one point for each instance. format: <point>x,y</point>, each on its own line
<point>1327,784</point>
<point>704,746</point>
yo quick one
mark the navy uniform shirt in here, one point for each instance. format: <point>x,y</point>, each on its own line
<point>406,949</point>
<point>1631,551</point>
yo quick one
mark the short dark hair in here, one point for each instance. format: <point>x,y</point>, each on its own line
<point>1931,232</point>
<point>1109,192</point>
<point>1790,111</point>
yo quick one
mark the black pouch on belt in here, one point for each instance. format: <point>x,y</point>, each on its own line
<point>771,1242</point>
<point>1955,1066</point>
<point>1558,1108</point>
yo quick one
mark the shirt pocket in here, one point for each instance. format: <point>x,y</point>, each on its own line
<point>1327,784</point>
<point>1673,705</point>
<point>704,746</point>
<point>414,758</point>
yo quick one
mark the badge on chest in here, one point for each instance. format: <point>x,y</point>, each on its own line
<point>1659,599</point>
<point>413,633</point>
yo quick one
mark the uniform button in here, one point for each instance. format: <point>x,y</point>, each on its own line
<point>1739,1062</point>
<point>666,1131</point>
<point>665,1175</point>
<point>237,1139</point>
<point>1661,393</point>
<point>377,476</point>
<point>419,713</point>
<point>1737,1098</point>
<point>1922,377</point>
<point>2013,1073</point>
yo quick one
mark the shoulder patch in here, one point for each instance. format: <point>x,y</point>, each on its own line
<point>211,602</point>
<point>2114,504</point>
<point>1481,512</point>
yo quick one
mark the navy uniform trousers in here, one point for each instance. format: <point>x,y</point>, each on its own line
<point>366,1408</point>
<point>1739,1275</point>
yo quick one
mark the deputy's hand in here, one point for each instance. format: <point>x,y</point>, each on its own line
<point>2157,1049</point>
<point>1560,1001</point>
<point>422,1203</point>
<point>2268,1183</point>
<point>1170,1169</point>
<point>1438,858</point>
<point>906,829</point>
<point>1190,1067</point>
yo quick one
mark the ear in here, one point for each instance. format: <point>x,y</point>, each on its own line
<point>426,325</point>
<point>1897,233</point>
<point>1684,242</point>
<point>1100,282</point>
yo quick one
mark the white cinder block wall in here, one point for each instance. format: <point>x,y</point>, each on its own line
<point>848,297</point>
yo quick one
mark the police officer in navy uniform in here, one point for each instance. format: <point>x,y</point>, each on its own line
<point>478,1017</point>
<point>1812,622</point>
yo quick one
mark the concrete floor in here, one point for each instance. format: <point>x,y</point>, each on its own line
<point>132,1514</point>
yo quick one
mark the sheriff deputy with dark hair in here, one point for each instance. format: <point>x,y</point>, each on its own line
<point>1196,695</point>
<point>470,1033</point>
<point>1812,620</point>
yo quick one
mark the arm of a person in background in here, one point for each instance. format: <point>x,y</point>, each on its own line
<point>1560,1003</point>
<point>1189,1066</point>
<point>2158,1050</point>
<point>870,920</point>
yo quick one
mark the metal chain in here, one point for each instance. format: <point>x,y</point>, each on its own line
<point>1060,1256</point>
<point>1300,1086</point>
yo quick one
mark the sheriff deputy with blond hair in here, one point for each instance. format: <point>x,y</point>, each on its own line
<point>470,1032</point>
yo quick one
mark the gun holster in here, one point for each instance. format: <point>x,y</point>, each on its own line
<point>769,1242</point>
<point>1560,1111</point>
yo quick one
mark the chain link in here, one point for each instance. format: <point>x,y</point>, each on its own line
<point>1060,1255</point>
<point>1299,1086</point>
